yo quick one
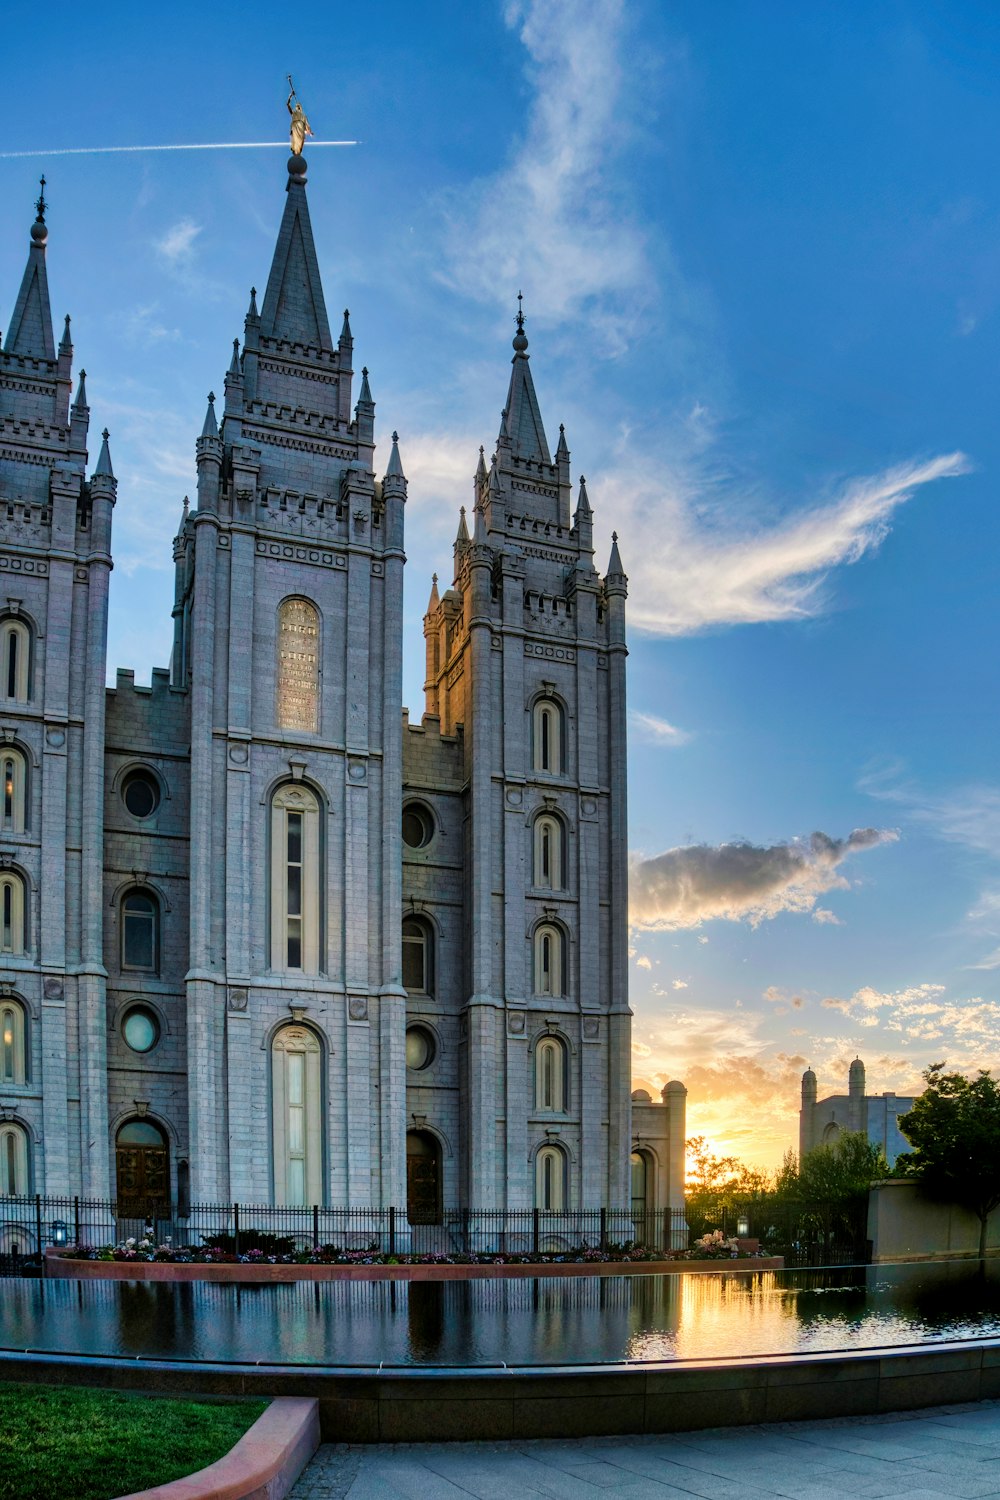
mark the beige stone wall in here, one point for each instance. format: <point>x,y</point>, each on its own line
<point>903,1225</point>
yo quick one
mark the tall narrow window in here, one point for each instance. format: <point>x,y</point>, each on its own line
<point>13,788</point>
<point>13,938</point>
<point>548,960</point>
<point>13,1161</point>
<point>298,666</point>
<point>15,660</point>
<point>140,929</point>
<point>297,1116</point>
<point>550,1076</point>
<point>548,854</point>
<point>13,1051</point>
<point>550,1179</point>
<point>640,1185</point>
<point>418,956</point>
<point>547,736</point>
<point>295,880</point>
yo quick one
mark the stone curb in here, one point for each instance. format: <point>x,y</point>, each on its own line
<point>263,1465</point>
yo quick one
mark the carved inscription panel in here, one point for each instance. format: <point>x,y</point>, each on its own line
<point>298,666</point>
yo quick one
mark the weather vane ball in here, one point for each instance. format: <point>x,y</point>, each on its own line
<point>299,128</point>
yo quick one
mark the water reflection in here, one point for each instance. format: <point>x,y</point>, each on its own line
<point>594,1319</point>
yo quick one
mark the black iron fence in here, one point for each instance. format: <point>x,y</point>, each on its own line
<point>29,1225</point>
<point>804,1232</point>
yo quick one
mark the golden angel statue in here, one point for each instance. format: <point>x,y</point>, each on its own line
<point>299,128</point>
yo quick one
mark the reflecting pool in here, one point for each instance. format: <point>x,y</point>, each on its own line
<point>530,1322</point>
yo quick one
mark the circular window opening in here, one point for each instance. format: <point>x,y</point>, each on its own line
<point>420,1048</point>
<point>141,1029</point>
<point>141,794</point>
<point>418,826</point>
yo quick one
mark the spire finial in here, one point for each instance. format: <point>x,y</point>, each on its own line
<point>614,534</point>
<point>40,203</point>
<point>520,337</point>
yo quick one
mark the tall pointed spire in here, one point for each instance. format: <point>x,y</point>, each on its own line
<point>346,336</point>
<point>234,363</point>
<point>522,416</point>
<point>615,571</point>
<point>252,313</point>
<point>463,529</point>
<point>294,309</point>
<point>481,469</point>
<point>104,461</point>
<point>80,400</point>
<point>211,427</point>
<point>30,331</point>
<point>583,506</point>
<point>366,394</point>
<point>66,343</point>
<point>435,598</point>
<point>395,467</point>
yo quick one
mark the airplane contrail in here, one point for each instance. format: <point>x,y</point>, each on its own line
<point>210,146</point>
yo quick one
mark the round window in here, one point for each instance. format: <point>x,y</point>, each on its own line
<point>419,1048</point>
<point>141,1029</point>
<point>418,825</point>
<point>141,793</point>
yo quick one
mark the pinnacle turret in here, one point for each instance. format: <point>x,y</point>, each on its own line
<point>346,336</point>
<point>583,503</point>
<point>435,598</point>
<point>234,363</point>
<point>615,573</point>
<point>462,539</point>
<point>104,469</point>
<point>394,469</point>
<point>211,427</point>
<point>252,314</point>
<point>365,394</point>
<point>66,343</point>
<point>80,400</point>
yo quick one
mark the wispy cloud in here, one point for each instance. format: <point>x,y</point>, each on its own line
<point>177,245</point>
<point>712,567</point>
<point>576,249</point>
<point>658,731</point>
<point>967,815</point>
<point>697,883</point>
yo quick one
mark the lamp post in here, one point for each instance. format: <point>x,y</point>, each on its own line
<point>60,1234</point>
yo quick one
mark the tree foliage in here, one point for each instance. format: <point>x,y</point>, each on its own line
<point>954,1129</point>
<point>842,1170</point>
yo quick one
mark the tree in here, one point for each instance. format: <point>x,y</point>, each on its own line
<point>842,1171</point>
<point>954,1129</point>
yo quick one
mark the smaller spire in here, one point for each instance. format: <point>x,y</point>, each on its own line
<point>66,343</point>
<point>494,479</point>
<point>481,467</point>
<point>479,531</point>
<point>504,433</point>
<point>434,600</point>
<point>211,427</point>
<point>366,394</point>
<point>395,467</point>
<point>346,337</point>
<point>463,530</point>
<point>252,313</point>
<point>562,449</point>
<point>184,516</point>
<point>104,462</point>
<point>583,504</point>
<point>615,569</point>
<point>234,363</point>
<point>80,402</point>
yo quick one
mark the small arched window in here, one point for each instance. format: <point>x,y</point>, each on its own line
<point>13,914</point>
<point>15,660</point>
<point>549,857</point>
<point>140,931</point>
<point>297,1116</point>
<point>549,966</point>
<point>14,791</point>
<point>641,1184</point>
<point>550,1179</point>
<point>547,736</point>
<point>298,666</point>
<point>418,956</point>
<point>550,1075</point>
<point>13,1043</point>
<point>14,1160</point>
<point>295,880</point>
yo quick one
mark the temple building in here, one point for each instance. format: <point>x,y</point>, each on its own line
<point>822,1120</point>
<point>262,939</point>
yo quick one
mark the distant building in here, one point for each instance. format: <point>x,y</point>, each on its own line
<point>658,1137</point>
<point>822,1120</point>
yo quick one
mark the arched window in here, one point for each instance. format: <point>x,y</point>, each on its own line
<point>642,1181</point>
<point>13,913</point>
<point>297,1116</point>
<point>549,857</point>
<point>298,666</point>
<point>295,880</point>
<point>14,1159</point>
<point>423,1178</point>
<point>13,1043</point>
<point>140,929</point>
<point>549,967</point>
<point>15,660</point>
<point>547,736</point>
<point>13,789</point>
<point>550,1179</point>
<point>418,956</point>
<point>550,1075</point>
<point>142,1170</point>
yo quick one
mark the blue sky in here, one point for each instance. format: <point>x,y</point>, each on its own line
<point>760,256</point>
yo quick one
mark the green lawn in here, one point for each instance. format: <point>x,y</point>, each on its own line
<point>60,1444</point>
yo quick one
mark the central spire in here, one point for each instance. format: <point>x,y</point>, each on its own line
<point>294,308</point>
<point>30,329</point>
<point>522,417</point>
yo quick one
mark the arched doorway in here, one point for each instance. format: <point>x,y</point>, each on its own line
<point>423,1178</point>
<point>142,1171</point>
<point>642,1196</point>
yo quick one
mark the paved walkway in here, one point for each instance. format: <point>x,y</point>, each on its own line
<point>946,1451</point>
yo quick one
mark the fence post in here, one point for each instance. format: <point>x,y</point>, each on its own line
<point>236,1228</point>
<point>392,1231</point>
<point>604,1229</point>
<point>76,1220</point>
<point>38,1226</point>
<point>315,1225</point>
<point>535,1235</point>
